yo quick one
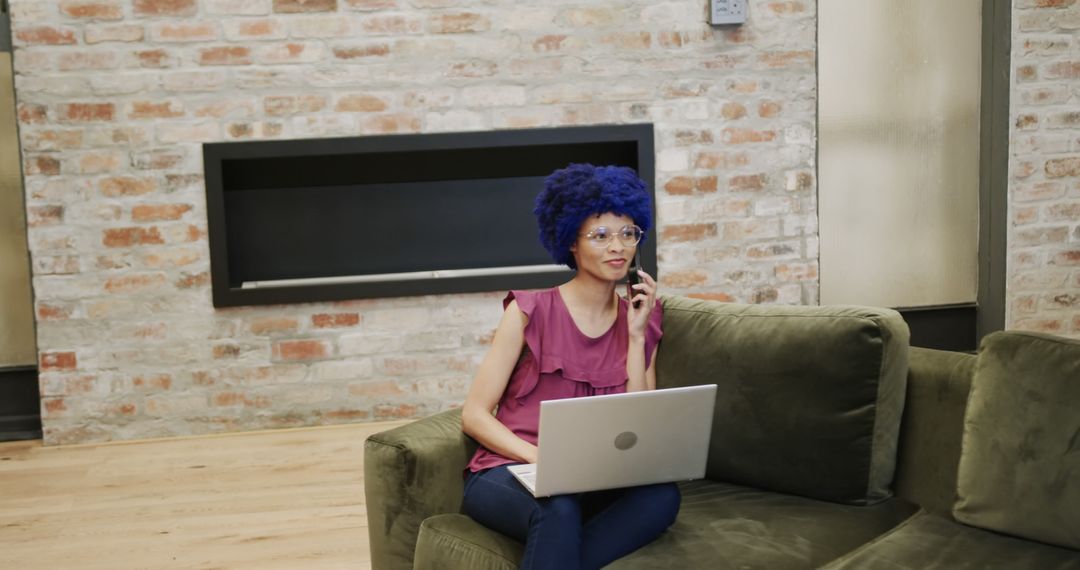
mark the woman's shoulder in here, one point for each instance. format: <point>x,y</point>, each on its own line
<point>528,301</point>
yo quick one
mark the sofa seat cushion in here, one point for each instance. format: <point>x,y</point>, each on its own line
<point>719,526</point>
<point>929,541</point>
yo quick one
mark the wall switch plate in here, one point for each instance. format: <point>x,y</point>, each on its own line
<point>727,12</point>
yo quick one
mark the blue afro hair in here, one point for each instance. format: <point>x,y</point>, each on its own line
<point>573,194</point>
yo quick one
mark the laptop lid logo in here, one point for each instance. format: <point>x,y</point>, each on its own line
<point>625,440</point>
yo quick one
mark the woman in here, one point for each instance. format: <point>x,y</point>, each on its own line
<point>578,339</point>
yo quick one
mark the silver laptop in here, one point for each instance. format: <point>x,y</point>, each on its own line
<point>621,440</point>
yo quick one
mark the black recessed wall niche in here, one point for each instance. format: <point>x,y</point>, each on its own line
<point>395,215</point>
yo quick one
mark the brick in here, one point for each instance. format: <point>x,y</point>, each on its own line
<point>240,399</point>
<point>360,103</point>
<point>693,137</point>
<point>271,325</point>
<point>135,283</point>
<point>362,51</point>
<point>56,264</point>
<point>92,9</point>
<point>154,58</point>
<point>742,136</point>
<point>225,55</point>
<point>1039,236</point>
<point>747,183</point>
<point>261,29</point>
<point>54,311</point>
<point>391,25</point>
<point>155,109</point>
<point>1046,325</point>
<point>151,8</point>
<point>376,389</point>
<point>130,237</point>
<point>57,361</point>
<point>733,111</point>
<point>45,35</point>
<point>392,123</point>
<point>460,23</point>
<point>184,32</point>
<point>398,411</point>
<point>1027,122</point>
<point>42,164</point>
<point>237,7</point>
<point>368,5</point>
<point>751,229</point>
<point>157,159</point>
<point>769,109</point>
<point>715,296</point>
<point>1022,216</point>
<point>801,58</point>
<point>152,382</point>
<point>38,216</point>
<point>1062,70</point>
<point>117,187</point>
<point>473,68</point>
<point>291,53</point>
<point>549,43</point>
<point>33,114</point>
<point>87,112</point>
<point>226,351</point>
<point>685,185</point>
<point>298,350</point>
<point>688,232</point>
<point>786,8</point>
<point>337,320</point>
<point>170,258</point>
<point>193,280</point>
<point>304,6</point>
<point>159,212</point>
<point>796,272</point>
<point>120,33</point>
<point>1061,167</point>
<point>684,279</point>
<point>1069,258</point>
<point>1064,120</point>
<point>99,162</point>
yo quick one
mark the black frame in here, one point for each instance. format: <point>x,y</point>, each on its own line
<point>220,157</point>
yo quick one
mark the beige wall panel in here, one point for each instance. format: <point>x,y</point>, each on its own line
<point>17,346</point>
<point>899,150</point>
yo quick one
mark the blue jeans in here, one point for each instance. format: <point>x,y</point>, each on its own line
<point>566,532</point>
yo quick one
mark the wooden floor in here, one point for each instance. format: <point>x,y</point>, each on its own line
<point>280,499</point>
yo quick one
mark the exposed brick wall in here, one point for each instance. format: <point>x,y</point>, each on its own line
<point>1044,188</point>
<point>116,96</point>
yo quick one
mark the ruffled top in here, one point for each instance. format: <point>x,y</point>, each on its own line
<point>559,361</point>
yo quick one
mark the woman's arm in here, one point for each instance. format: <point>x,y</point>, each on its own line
<point>487,388</point>
<point>639,377</point>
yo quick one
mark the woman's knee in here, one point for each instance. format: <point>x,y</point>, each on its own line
<point>665,499</point>
<point>561,509</point>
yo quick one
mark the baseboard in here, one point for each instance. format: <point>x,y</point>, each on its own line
<point>20,404</point>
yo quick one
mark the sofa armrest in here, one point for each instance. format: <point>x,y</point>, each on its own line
<point>411,473</point>
<point>932,428</point>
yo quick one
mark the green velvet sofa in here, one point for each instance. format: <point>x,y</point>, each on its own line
<point>833,445</point>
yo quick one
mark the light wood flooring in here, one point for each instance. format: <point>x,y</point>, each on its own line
<point>277,499</point>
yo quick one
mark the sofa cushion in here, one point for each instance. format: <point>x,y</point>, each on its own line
<point>1019,467</point>
<point>809,398</point>
<point>719,526</point>
<point>928,541</point>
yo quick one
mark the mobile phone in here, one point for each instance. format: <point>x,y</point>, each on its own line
<point>632,278</point>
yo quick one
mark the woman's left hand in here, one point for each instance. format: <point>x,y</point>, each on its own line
<point>645,294</point>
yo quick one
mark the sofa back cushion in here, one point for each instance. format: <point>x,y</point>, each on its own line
<point>1019,467</point>
<point>809,398</point>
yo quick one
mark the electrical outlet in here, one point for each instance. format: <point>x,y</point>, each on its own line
<point>727,12</point>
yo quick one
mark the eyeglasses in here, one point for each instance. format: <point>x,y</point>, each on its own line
<point>601,236</point>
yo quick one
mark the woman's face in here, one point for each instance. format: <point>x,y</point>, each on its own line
<point>611,261</point>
